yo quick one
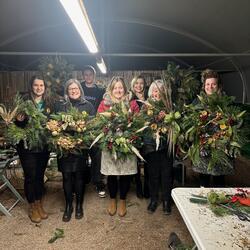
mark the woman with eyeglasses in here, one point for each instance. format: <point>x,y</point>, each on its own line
<point>73,166</point>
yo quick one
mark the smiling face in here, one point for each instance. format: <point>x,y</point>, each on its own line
<point>211,86</point>
<point>38,88</point>
<point>74,91</point>
<point>156,95</point>
<point>118,91</point>
<point>138,86</point>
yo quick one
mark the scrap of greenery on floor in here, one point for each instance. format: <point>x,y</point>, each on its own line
<point>59,233</point>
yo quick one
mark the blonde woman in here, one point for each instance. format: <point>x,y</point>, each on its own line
<point>118,172</point>
<point>160,162</point>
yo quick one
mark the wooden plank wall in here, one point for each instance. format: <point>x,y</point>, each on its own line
<point>17,81</point>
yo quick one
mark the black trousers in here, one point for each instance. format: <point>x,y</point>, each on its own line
<point>34,165</point>
<point>160,174</point>
<point>95,154</point>
<point>73,182</point>
<point>137,177</point>
<point>123,182</point>
<point>218,181</point>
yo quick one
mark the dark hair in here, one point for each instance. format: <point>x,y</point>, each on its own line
<point>31,82</point>
<point>145,87</point>
<point>90,68</point>
<point>209,73</point>
<point>46,97</point>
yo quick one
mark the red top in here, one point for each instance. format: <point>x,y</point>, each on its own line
<point>133,106</point>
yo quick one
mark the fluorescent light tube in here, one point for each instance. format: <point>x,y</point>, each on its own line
<point>78,15</point>
<point>101,65</point>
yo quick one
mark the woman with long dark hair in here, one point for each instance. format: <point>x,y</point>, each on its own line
<point>138,90</point>
<point>34,161</point>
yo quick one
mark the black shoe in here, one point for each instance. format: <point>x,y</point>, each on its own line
<point>166,207</point>
<point>100,189</point>
<point>152,206</point>
<point>67,213</point>
<point>79,212</point>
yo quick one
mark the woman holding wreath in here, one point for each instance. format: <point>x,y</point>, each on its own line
<point>138,91</point>
<point>34,161</point>
<point>211,85</point>
<point>159,160</point>
<point>73,166</point>
<point>119,172</point>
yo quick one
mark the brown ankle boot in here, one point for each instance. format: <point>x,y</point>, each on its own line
<point>122,208</point>
<point>112,207</point>
<point>34,214</point>
<point>40,209</point>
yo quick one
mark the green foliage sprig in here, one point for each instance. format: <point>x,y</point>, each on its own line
<point>184,84</point>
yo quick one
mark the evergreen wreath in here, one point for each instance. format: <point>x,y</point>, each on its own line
<point>211,129</point>
<point>56,71</point>
<point>32,132</point>
<point>117,130</point>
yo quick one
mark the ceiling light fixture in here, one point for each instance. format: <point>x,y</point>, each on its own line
<point>101,65</point>
<point>78,15</point>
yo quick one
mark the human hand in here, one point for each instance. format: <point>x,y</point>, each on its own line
<point>20,117</point>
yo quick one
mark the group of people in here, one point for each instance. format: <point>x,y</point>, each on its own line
<point>88,96</point>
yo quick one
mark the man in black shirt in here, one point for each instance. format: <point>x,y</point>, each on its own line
<point>92,92</point>
<point>94,95</point>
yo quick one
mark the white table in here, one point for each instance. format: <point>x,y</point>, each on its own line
<point>207,230</point>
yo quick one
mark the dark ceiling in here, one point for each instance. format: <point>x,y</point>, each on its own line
<point>154,29</point>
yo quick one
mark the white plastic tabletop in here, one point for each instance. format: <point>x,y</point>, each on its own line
<point>209,231</point>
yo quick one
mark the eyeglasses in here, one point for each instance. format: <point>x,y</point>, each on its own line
<point>73,89</point>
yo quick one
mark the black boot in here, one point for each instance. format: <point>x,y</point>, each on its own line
<point>152,206</point>
<point>68,211</point>
<point>166,207</point>
<point>79,209</point>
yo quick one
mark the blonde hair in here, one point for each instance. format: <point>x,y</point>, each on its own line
<point>111,87</point>
<point>158,84</point>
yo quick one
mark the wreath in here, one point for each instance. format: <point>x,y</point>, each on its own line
<point>118,131</point>
<point>211,129</point>
<point>31,131</point>
<point>160,124</point>
<point>68,132</point>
